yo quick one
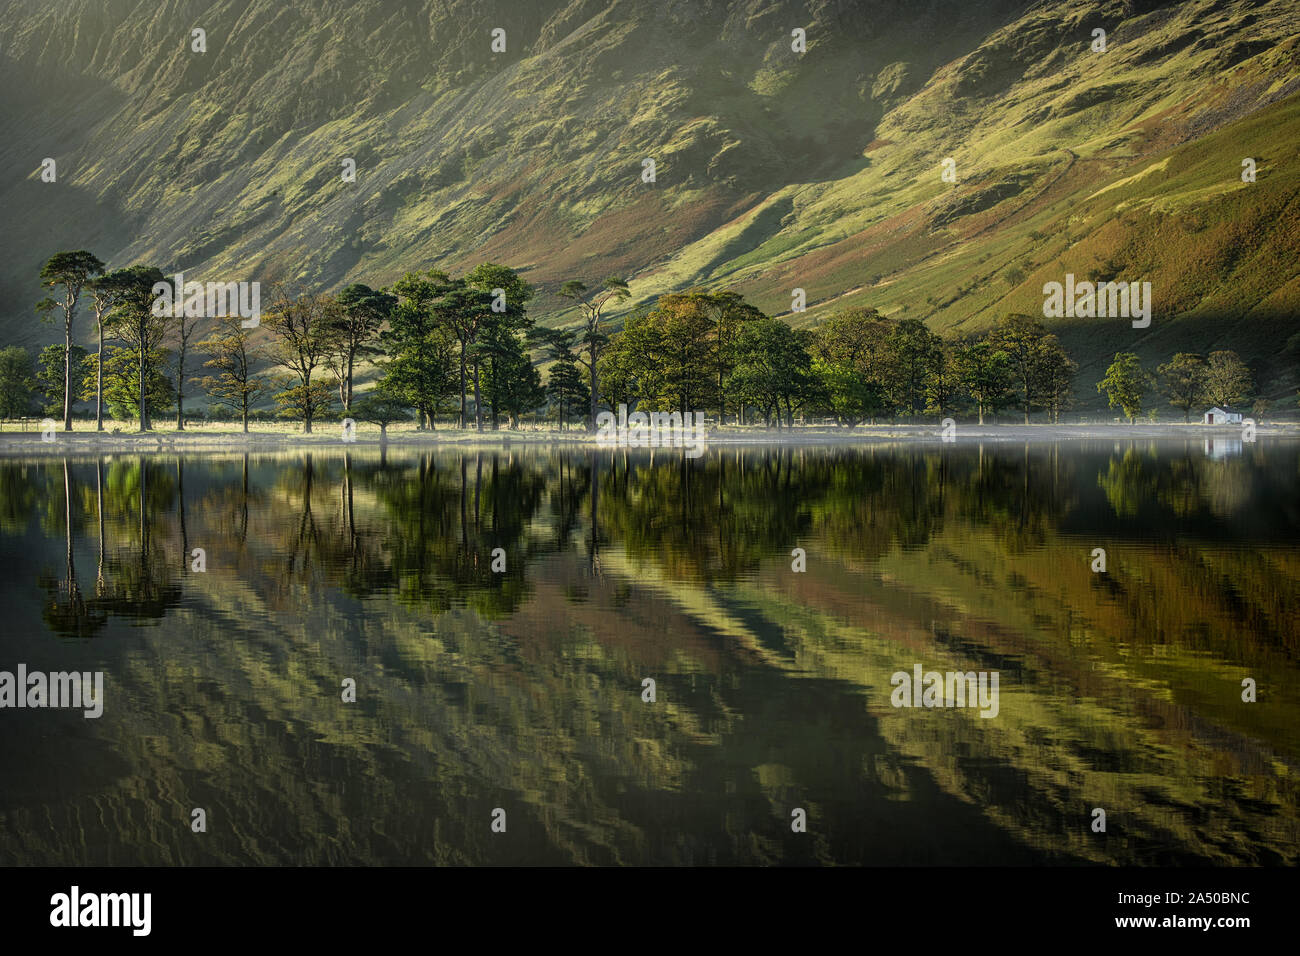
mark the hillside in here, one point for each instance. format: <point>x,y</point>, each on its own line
<point>774,169</point>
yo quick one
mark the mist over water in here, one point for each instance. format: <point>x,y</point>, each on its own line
<point>522,689</point>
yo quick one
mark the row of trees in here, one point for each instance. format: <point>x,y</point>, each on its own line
<point>1188,380</point>
<point>441,336</point>
<point>714,351</point>
<point>436,341</point>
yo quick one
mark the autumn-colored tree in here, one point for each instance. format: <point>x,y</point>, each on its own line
<point>231,357</point>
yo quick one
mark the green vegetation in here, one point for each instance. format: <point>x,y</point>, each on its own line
<point>592,304</point>
<point>51,379</point>
<point>1182,379</point>
<point>304,325</point>
<point>17,382</point>
<point>381,408</point>
<point>799,171</point>
<point>1125,384</point>
<point>1227,379</point>
<point>117,384</point>
<point>141,330</point>
<point>693,351</point>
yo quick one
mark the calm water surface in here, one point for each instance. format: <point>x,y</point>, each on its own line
<point>522,690</point>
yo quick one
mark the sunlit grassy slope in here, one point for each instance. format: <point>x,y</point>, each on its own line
<point>1118,165</point>
<point>774,170</point>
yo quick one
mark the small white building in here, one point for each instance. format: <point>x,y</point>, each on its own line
<point>1221,416</point>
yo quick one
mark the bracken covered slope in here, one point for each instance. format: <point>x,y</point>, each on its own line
<point>774,169</point>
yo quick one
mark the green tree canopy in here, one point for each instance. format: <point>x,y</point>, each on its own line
<point>1227,379</point>
<point>1182,379</point>
<point>17,382</point>
<point>140,327</point>
<point>1125,384</point>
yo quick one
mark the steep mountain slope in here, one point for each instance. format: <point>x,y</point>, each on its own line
<point>774,169</point>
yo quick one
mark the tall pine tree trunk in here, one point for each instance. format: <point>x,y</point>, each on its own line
<point>592,354</point>
<point>67,372</point>
<point>347,402</point>
<point>99,381</point>
<point>180,383</point>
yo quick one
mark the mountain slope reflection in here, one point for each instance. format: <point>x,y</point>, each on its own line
<point>522,689</point>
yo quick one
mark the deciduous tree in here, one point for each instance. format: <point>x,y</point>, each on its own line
<point>1227,379</point>
<point>231,357</point>
<point>17,382</point>
<point>1125,384</point>
<point>1020,339</point>
<point>1182,379</point>
<point>305,326</point>
<point>986,375</point>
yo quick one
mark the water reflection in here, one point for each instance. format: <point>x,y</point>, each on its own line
<point>521,688</point>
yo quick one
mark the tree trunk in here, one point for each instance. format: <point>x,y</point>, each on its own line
<point>478,404</point>
<point>592,354</point>
<point>496,417</point>
<point>67,372</point>
<point>144,416</point>
<point>722,395</point>
<point>461,423</point>
<point>99,381</point>
<point>347,401</point>
<point>180,387</point>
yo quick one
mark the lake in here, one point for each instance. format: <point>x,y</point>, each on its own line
<point>497,615</point>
